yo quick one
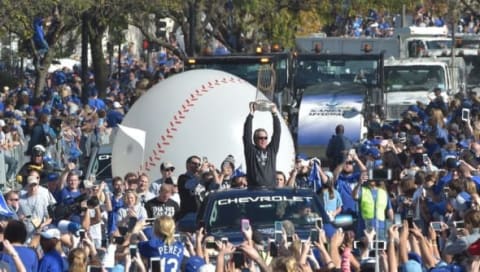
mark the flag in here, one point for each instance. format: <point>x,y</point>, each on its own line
<point>4,209</point>
<point>314,178</point>
<point>136,134</point>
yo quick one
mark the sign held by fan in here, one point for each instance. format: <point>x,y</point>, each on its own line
<point>266,85</point>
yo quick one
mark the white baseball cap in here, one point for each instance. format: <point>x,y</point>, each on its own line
<point>52,233</point>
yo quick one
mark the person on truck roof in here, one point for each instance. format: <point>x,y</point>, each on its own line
<point>261,155</point>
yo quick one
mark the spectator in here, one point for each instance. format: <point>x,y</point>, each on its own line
<point>16,233</point>
<point>51,260</point>
<point>374,206</point>
<point>281,179</point>
<point>142,190</point>
<point>349,173</point>
<point>261,156</point>
<point>131,209</point>
<point>164,244</point>
<point>13,198</point>
<point>186,185</point>
<point>72,190</point>
<point>332,202</point>
<point>77,260</point>
<point>39,135</point>
<point>36,162</point>
<point>175,195</point>
<point>33,206</point>
<point>338,147</point>
<point>163,204</point>
<point>5,147</point>
<point>166,171</point>
<point>113,203</point>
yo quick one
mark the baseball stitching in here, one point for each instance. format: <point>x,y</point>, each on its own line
<point>178,118</point>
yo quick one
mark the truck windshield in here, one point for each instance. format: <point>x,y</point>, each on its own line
<point>312,72</point>
<point>246,68</point>
<point>439,44</point>
<point>262,211</point>
<point>247,71</point>
<point>414,78</point>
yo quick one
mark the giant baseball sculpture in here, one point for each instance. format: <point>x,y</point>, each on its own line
<point>199,112</point>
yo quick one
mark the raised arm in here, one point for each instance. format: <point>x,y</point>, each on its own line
<point>247,127</point>
<point>277,130</point>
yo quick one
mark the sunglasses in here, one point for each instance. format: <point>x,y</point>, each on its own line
<point>13,199</point>
<point>168,170</point>
<point>350,162</point>
<point>262,138</point>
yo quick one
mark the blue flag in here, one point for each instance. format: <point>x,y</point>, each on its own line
<point>4,209</point>
<point>314,178</point>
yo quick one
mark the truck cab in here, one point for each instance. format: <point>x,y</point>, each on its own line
<point>247,66</point>
<point>409,81</point>
<point>423,41</point>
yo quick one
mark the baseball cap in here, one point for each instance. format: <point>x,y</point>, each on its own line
<point>167,165</point>
<point>117,105</point>
<point>412,266</point>
<point>68,226</point>
<point>53,176</point>
<point>32,180</point>
<point>51,233</point>
<point>39,150</point>
<point>194,263</point>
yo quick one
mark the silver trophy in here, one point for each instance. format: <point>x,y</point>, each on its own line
<point>265,88</point>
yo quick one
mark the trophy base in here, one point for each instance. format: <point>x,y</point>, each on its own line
<point>263,105</point>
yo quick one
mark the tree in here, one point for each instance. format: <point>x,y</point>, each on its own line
<point>57,19</point>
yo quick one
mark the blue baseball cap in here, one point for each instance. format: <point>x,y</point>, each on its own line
<point>411,266</point>
<point>53,176</point>
<point>194,263</point>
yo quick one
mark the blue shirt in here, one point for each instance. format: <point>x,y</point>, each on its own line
<point>345,185</point>
<point>96,103</point>
<point>67,196</point>
<point>331,205</point>
<point>51,261</point>
<point>114,118</point>
<point>173,254</point>
<point>112,216</point>
<point>27,255</point>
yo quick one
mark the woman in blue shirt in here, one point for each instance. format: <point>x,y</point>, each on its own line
<point>332,201</point>
<point>164,245</point>
<point>16,233</point>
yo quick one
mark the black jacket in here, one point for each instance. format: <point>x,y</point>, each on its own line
<point>261,164</point>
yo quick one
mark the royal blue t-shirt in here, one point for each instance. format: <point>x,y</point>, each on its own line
<point>67,196</point>
<point>51,262</point>
<point>27,255</point>
<point>112,216</point>
<point>173,254</point>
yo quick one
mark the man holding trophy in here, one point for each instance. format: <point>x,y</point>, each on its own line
<point>261,155</point>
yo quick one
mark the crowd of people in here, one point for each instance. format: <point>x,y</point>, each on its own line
<point>409,191</point>
<point>380,24</point>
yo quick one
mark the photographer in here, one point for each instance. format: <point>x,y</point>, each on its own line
<point>94,214</point>
<point>374,204</point>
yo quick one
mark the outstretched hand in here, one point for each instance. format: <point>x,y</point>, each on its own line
<point>252,107</point>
